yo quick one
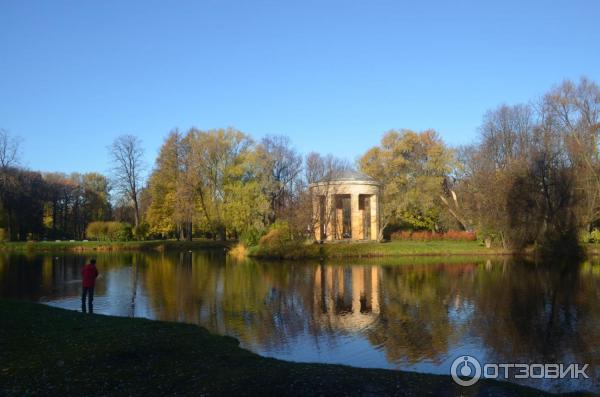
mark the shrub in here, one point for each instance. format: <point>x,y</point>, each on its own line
<point>585,237</point>
<point>239,251</point>
<point>278,233</point>
<point>109,231</point>
<point>95,231</point>
<point>452,235</point>
<point>125,232</point>
<point>3,236</point>
<point>113,230</point>
<point>594,236</point>
<point>276,239</point>
<point>141,232</point>
<point>251,237</point>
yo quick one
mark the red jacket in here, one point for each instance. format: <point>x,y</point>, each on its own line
<point>89,274</point>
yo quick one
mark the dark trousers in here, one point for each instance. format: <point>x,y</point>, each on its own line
<point>89,292</point>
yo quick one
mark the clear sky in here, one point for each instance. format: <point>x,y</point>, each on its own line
<point>331,75</point>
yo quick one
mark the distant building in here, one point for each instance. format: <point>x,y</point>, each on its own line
<point>347,207</point>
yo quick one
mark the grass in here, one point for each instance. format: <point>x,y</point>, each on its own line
<point>375,249</point>
<point>404,248</point>
<point>54,352</point>
<point>86,246</point>
<point>293,250</point>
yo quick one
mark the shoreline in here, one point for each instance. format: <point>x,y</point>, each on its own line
<point>108,246</point>
<point>375,250</point>
<point>52,351</point>
<point>290,251</point>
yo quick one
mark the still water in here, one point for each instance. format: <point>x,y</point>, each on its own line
<point>415,314</point>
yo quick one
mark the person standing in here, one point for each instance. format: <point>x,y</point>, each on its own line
<point>88,274</point>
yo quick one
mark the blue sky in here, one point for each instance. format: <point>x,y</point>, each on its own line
<point>331,75</point>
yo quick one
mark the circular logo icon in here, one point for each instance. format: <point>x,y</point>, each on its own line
<point>465,370</point>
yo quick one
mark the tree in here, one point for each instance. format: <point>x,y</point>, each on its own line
<point>412,167</point>
<point>573,111</point>
<point>96,197</point>
<point>9,157</point>
<point>9,149</point>
<point>127,155</point>
<point>221,162</point>
<point>22,194</point>
<point>281,167</point>
<point>71,202</point>
<point>521,183</point>
<point>208,182</point>
<point>162,212</point>
<point>491,168</point>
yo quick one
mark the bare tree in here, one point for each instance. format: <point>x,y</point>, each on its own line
<point>127,154</point>
<point>9,158</point>
<point>282,167</point>
<point>9,149</point>
<point>526,180</point>
<point>573,111</point>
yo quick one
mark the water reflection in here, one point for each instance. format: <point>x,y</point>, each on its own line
<point>418,315</point>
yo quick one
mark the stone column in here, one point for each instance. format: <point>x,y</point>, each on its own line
<point>374,216</point>
<point>329,217</point>
<point>316,216</point>
<point>355,217</point>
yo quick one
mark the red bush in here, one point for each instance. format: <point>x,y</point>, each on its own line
<point>452,235</point>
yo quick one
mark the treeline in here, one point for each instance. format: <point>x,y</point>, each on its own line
<point>51,205</point>
<point>36,205</point>
<point>222,184</point>
<point>532,177</point>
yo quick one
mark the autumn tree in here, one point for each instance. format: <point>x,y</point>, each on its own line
<point>163,187</point>
<point>412,167</point>
<point>73,201</point>
<point>225,177</point>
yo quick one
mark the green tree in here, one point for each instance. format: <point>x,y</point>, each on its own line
<point>221,161</point>
<point>412,167</point>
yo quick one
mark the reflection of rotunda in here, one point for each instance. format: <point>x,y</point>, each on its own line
<point>348,296</point>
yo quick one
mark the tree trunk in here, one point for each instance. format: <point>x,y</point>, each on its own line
<point>137,210</point>
<point>9,229</point>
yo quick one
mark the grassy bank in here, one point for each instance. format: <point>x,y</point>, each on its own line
<point>374,249</point>
<point>48,351</point>
<point>103,246</point>
<point>293,250</point>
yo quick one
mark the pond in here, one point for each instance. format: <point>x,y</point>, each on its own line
<point>415,314</point>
